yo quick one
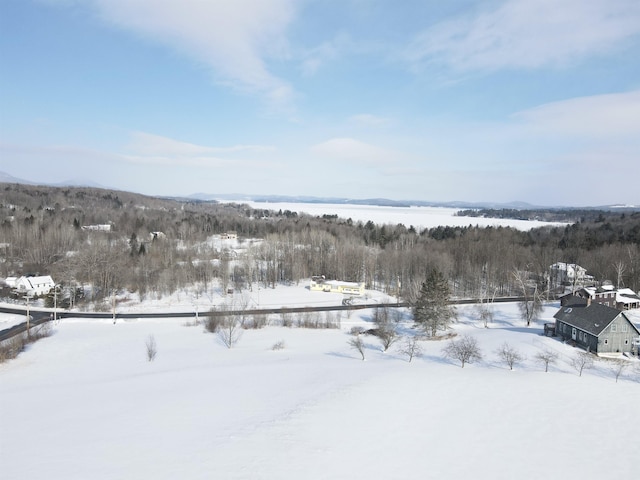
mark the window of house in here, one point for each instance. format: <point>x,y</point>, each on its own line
<point>606,341</point>
<point>614,328</point>
<point>624,327</point>
<point>626,341</point>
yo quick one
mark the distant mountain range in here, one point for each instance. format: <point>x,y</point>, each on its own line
<point>6,178</point>
<point>383,202</point>
<point>241,197</point>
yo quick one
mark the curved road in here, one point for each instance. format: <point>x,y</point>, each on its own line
<point>39,317</point>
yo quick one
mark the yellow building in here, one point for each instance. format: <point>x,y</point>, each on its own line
<point>320,284</point>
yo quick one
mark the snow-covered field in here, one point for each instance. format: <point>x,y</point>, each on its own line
<point>86,404</point>
<point>419,217</point>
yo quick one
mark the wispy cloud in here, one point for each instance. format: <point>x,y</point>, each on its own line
<point>150,149</point>
<point>234,39</point>
<point>527,34</point>
<point>316,58</point>
<point>602,117</point>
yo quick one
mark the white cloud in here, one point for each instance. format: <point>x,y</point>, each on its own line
<point>150,144</point>
<point>233,38</point>
<point>318,57</point>
<point>610,116</point>
<point>528,34</point>
<point>147,148</point>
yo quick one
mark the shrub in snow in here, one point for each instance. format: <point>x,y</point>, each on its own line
<point>410,348</point>
<point>212,323</point>
<point>257,321</point>
<point>152,349</point>
<point>229,332</point>
<point>278,345</point>
<point>618,366</point>
<point>356,330</point>
<point>465,350</point>
<point>548,357</point>
<point>509,355</point>
<point>582,361</point>
<point>357,344</point>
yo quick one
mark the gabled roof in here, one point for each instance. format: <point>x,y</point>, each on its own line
<point>592,318</point>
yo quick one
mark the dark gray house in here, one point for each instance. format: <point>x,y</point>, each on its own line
<point>597,328</point>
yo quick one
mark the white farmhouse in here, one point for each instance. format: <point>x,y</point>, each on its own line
<point>569,274</point>
<point>34,286</point>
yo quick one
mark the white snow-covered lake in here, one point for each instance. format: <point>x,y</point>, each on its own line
<point>419,217</point>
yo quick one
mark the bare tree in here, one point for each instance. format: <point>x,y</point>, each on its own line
<point>465,350</point>
<point>582,361</point>
<point>620,268</point>
<point>484,313</point>
<point>386,329</point>
<point>618,367</point>
<point>548,357</point>
<point>388,336</point>
<point>229,331</point>
<point>411,348</point>
<point>484,309</point>
<point>152,349</point>
<point>357,344</point>
<point>509,355</point>
<point>531,304</point>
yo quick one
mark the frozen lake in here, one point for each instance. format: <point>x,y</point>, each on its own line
<point>419,217</point>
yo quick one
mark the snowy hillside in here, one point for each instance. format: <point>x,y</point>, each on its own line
<point>86,403</point>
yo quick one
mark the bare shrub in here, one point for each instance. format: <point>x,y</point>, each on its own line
<point>257,321</point>
<point>332,320</point>
<point>279,345</point>
<point>213,321</point>
<point>548,357</point>
<point>356,331</point>
<point>39,331</point>
<point>618,367</point>
<point>509,355</point>
<point>484,313</point>
<point>388,336</point>
<point>10,349</point>
<point>582,361</point>
<point>229,332</point>
<point>410,348</point>
<point>307,320</point>
<point>465,350</point>
<point>286,317</point>
<point>357,344</point>
<point>152,348</point>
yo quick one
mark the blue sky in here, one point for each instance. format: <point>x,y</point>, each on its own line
<point>494,100</point>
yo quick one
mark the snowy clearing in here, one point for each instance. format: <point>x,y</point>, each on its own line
<point>86,403</point>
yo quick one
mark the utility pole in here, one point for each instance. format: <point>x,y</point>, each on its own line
<point>28,316</point>
<point>55,302</point>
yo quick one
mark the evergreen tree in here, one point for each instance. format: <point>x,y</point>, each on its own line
<point>432,309</point>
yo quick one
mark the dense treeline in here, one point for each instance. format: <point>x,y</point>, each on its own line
<point>156,246</point>
<point>568,215</point>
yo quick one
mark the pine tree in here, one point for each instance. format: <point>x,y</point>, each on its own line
<point>432,309</point>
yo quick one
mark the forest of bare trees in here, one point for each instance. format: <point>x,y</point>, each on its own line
<point>156,246</point>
